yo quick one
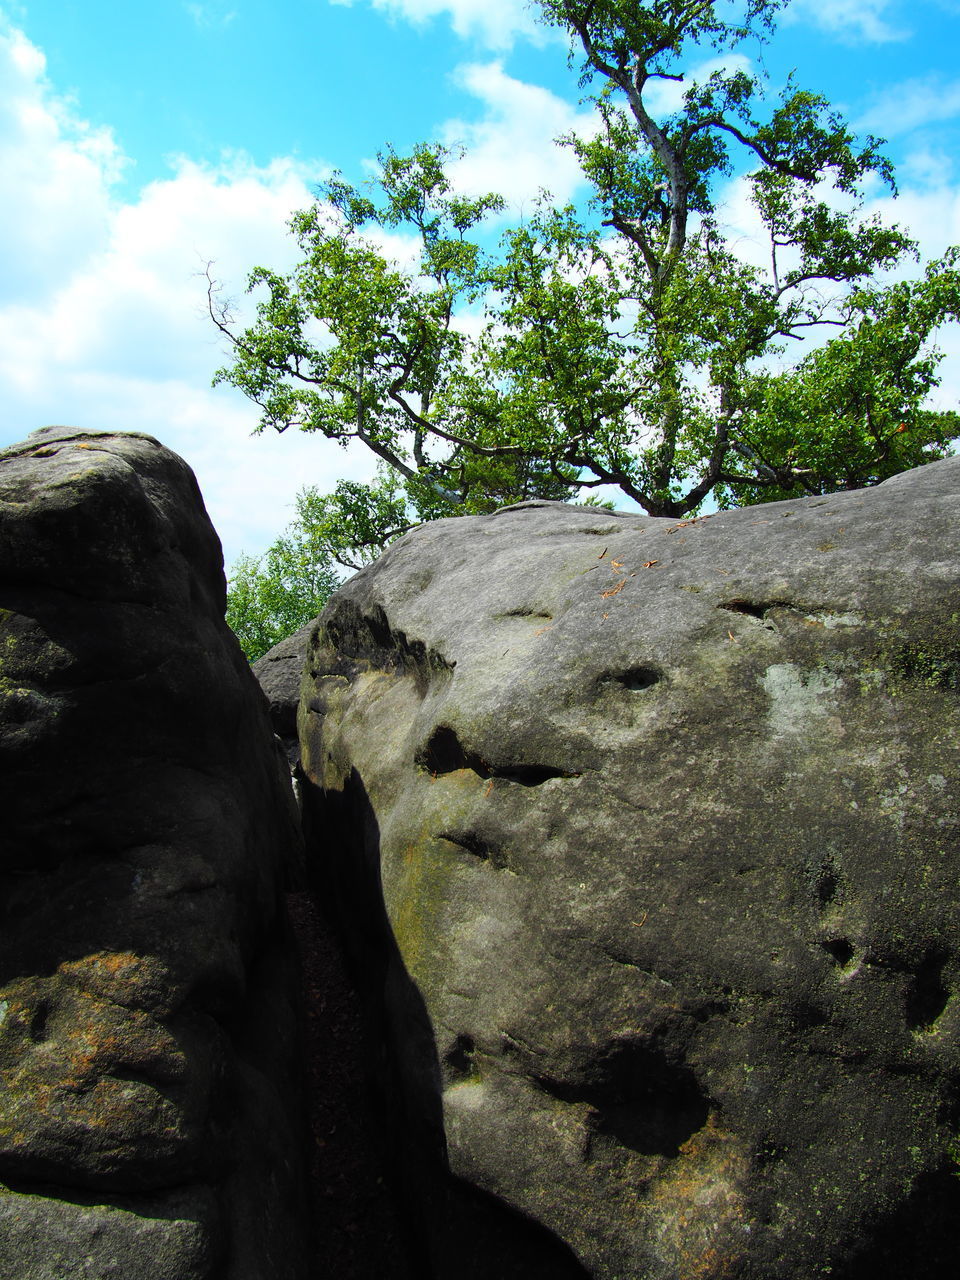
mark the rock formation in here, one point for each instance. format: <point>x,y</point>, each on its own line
<point>279,672</point>
<point>149,1110</point>
<point>648,846</point>
<point>643,840</point>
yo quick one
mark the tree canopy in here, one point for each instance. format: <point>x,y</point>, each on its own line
<point>272,596</point>
<point>630,343</point>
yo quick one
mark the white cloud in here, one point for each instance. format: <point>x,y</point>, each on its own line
<point>496,23</point>
<point>926,168</point>
<point>102,321</point>
<point>213,15</point>
<point>852,21</point>
<point>930,213</point>
<point>140,296</point>
<point>58,175</point>
<point>928,210</point>
<point>664,97</point>
<point>511,150</point>
<point>911,105</point>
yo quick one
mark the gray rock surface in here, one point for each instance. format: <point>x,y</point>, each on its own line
<point>150,1122</point>
<point>279,673</point>
<point>665,820</point>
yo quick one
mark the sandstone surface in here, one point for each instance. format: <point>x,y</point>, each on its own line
<point>650,841</point>
<point>279,673</point>
<point>150,1122</point>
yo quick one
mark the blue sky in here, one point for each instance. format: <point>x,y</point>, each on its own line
<point>139,141</point>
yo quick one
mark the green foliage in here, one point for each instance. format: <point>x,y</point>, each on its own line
<point>863,393</point>
<point>271,597</point>
<point>629,345</point>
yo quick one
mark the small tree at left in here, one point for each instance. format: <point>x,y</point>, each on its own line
<point>269,597</point>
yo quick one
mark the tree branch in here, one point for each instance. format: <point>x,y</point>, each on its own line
<point>770,160</point>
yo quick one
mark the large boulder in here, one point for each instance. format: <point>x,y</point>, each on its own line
<point>150,1122</point>
<point>279,673</point>
<point>653,827</point>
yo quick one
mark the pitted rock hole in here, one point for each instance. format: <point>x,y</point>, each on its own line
<point>803,1015</point>
<point>927,995</point>
<point>38,1023</point>
<point>827,882</point>
<point>370,637</point>
<point>635,679</point>
<point>477,847</point>
<point>839,950</point>
<point>445,753</point>
<point>754,609</point>
<point>827,886</point>
<point>531,775</point>
<point>459,1061</point>
<point>639,1098</point>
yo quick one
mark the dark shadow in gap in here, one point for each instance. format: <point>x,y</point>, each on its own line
<point>451,1229</point>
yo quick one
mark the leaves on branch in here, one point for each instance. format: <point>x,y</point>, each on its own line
<point>625,346</point>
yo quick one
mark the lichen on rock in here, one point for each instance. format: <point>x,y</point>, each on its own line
<point>149,1114</point>
<point>665,837</point>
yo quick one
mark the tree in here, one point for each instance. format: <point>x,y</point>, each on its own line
<point>389,355</point>
<point>628,344</point>
<point>272,596</point>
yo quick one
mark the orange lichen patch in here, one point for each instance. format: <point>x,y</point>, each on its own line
<point>74,1036</point>
<point>81,1068</point>
<point>109,963</point>
<point>697,1210</point>
<point>136,981</point>
<point>113,1103</point>
<point>109,1117</point>
<point>87,1050</point>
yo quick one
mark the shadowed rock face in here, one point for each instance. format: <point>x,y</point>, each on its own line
<point>149,1121</point>
<point>666,820</point>
<point>278,673</point>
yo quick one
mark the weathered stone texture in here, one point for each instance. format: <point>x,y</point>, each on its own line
<point>666,820</point>
<point>149,1115</point>
<point>279,672</point>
